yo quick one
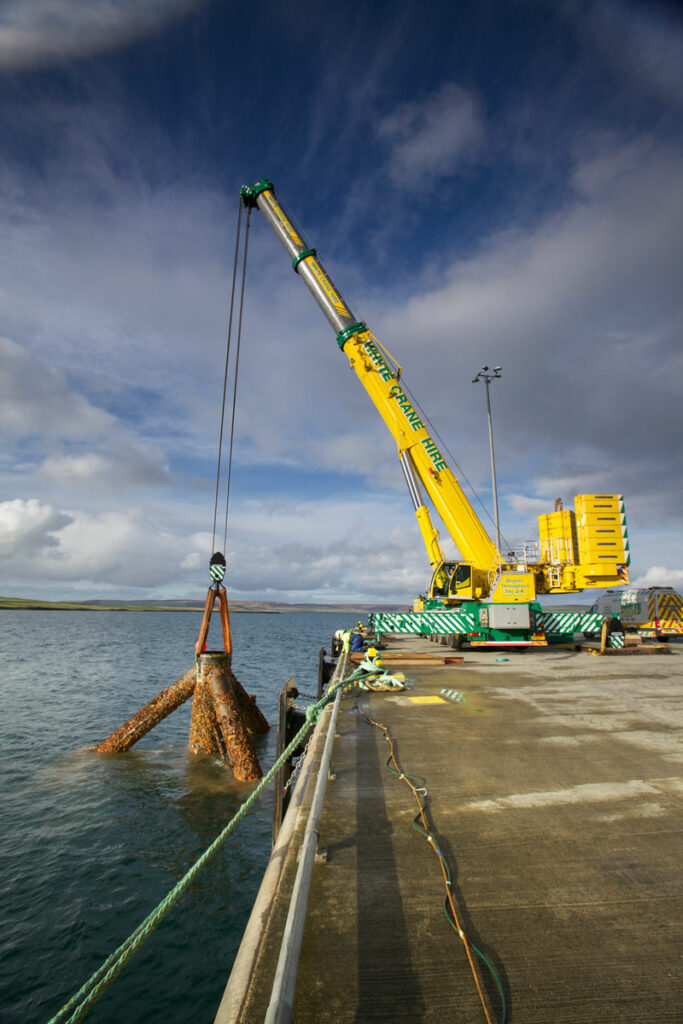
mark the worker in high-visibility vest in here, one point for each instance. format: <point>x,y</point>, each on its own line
<point>356,641</point>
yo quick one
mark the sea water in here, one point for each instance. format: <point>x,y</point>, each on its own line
<point>89,844</point>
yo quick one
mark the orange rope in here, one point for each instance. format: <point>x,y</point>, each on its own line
<point>447,883</point>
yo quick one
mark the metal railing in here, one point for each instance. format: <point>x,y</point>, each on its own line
<point>280,1008</point>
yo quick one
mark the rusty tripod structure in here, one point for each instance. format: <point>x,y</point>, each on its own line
<point>223,714</point>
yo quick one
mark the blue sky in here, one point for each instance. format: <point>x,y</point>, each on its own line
<point>486,182</point>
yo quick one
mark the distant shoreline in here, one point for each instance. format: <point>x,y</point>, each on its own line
<point>237,607</point>
<point>64,606</point>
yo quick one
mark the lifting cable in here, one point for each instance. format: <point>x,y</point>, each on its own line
<point>235,373</point>
<point>421,825</point>
<point>463,475</point>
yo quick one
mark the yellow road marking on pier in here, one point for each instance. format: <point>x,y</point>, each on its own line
<point>427,700</point>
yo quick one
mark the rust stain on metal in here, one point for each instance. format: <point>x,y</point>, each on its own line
<point>149,716</point>
<point>214,670</point>
<point>203,725</point>
<point>223,714</point>
<point>253,717</point>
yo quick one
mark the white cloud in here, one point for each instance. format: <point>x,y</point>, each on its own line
<point>523,505</point>
<point>36,33</point>
<point>191,561</point>
<point>642,42</point>
<point>27,528</point>
<point>430,139</point>
<point>36,399</point>
<point>120,547</point>
<point>120,309</point>
<point>123,465</point>
<point>659,576</point>
<point>584,314</point>
<point>355,548</point>
<point>358,552</point>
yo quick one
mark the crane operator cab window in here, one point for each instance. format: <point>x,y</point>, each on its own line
<point>461,581</point>
<point>438,586</point>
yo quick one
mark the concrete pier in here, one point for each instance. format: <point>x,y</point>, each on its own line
<point>555,791</point>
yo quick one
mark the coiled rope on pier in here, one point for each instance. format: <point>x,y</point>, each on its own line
<point>421,825</point>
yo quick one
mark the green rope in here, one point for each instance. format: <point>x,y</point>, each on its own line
<point>93,988</point>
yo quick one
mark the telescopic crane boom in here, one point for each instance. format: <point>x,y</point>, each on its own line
<point>576,549</point>
<point>421,459</point>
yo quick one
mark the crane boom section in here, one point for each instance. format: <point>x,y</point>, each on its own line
<point>383,387</point>
<point>430,535</point>
<point>412,437</point>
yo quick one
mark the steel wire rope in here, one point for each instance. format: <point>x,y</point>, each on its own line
<point>450,909</point>
<point>428,422</point>
<point>426,419</point>
<point>236,371</point>
<point>225,374</point>
<point>459,468</point>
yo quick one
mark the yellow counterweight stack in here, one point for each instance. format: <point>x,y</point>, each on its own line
<point>558,537</point>
<point>589,546</point>
<point>601,536</point>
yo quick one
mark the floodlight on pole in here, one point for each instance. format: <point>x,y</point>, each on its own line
<point>487,376</point>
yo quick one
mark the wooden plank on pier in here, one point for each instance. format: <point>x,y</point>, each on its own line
<point>412,658</point>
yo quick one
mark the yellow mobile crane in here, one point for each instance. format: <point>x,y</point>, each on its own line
<point>484,597</point>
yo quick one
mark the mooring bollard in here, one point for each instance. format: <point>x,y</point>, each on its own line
<point>215,678</point>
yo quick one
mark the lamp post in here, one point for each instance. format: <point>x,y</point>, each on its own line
<point>487,376</point>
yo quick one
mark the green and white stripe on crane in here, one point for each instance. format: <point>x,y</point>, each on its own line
<point>570,622</point>
<point>424,622</point>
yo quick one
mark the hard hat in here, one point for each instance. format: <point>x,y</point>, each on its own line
<point>372,653</point>
<point>378,661</point>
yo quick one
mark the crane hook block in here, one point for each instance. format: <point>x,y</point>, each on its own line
<point>217,567</point>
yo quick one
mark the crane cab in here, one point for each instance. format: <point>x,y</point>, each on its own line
<point>453,582</point>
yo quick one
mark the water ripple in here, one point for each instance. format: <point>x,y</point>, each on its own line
<point>90,844</point>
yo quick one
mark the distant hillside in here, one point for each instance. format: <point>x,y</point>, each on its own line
<point>256,607</point>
